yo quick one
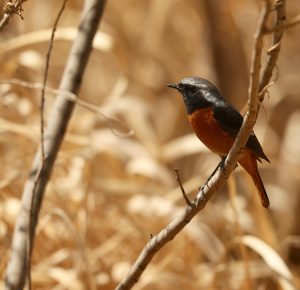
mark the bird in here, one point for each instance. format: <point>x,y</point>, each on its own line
<point>216,123</point>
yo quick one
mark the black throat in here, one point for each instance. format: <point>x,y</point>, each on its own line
<point>194,103</point>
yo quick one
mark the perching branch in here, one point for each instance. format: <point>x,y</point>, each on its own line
<point>40,173</point>
<point>215,183</point>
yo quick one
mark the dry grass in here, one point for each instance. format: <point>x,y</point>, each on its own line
<point>109,193</point>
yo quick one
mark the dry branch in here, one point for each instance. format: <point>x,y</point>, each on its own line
<point>273,52</point>
<point>218,179</point>
<point>54,133</point>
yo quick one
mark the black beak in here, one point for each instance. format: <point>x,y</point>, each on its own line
<point>174,86</point>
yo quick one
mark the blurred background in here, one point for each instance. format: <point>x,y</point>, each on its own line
<point>110,191</point>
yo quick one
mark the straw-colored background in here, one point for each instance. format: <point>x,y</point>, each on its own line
<point>109,193</point>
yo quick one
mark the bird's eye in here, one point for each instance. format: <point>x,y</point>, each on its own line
<point>191,89</point>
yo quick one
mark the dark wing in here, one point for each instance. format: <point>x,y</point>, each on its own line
<point>230,120</point>
<point>255,146</point>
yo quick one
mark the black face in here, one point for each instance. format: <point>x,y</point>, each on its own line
<point>197,93</point>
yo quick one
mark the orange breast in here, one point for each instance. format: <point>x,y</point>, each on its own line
<point>209,131</point>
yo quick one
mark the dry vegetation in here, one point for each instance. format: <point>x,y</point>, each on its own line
<point>111,191</point>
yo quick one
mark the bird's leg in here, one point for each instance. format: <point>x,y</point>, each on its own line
<point>220,165</point>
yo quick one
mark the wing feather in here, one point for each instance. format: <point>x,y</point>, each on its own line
<point>230,120</point>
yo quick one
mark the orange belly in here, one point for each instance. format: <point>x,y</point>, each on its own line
<point>209,131</point>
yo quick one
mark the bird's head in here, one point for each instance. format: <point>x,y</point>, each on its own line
<point>197,93</point>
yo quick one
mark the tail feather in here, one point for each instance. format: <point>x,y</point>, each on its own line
<point>261,190</point>
<point>248,162</point>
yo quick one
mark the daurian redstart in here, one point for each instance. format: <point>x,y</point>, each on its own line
<point>216,123</point>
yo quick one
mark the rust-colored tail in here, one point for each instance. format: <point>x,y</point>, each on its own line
<point>249,163</point>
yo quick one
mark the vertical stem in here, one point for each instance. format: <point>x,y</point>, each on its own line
<point>39,176</point>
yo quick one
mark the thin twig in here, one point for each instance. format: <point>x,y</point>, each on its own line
<point>54,133</point>
<point>46,74</point>
<point>216,181</point>
<point>292,22</point>
<point>278,27</point>
<point>288,24</point>
<point>38,176</point>
<point>181,187</point>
